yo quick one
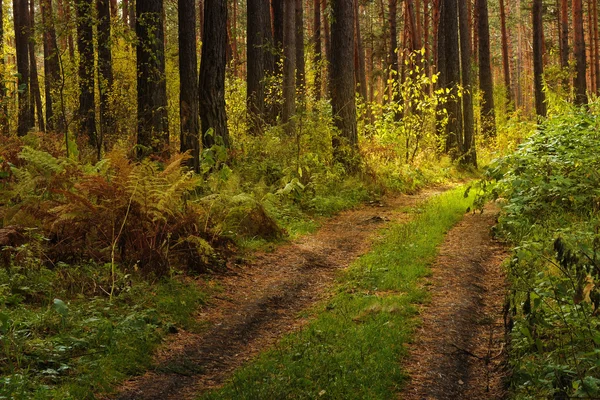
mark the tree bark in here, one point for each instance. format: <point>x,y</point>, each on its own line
<point>317,48</point>
<point>105,72</point>
<point>449,19</point>
<point>359,55</point>
<point>327,44</point>
<point>394,70</point>
<point>486,84</point>
<point>213,119</point>
<point>596,45</point>
<point>299,41</point>
<point>579,82</point>
<point>342,84</point>
<point>21,21</point>
<point>125,12</point>
<point>36,95</point>
<point>153,122</point>
<point>505,60</point>
<point>538,58</point>
<point>289,62</point>
<point>4,128</point>
<point>188,83</point>
<point>256,68</point>
<point>469,155</point>
<point>51,67</point>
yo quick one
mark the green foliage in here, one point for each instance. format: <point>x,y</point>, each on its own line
<point>550,193</point>
<point>60,337</point>
<point>352,347</point>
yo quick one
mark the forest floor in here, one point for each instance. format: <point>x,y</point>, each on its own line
<point>260,301</point>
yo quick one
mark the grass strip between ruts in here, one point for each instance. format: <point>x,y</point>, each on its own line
<point>355,344</point>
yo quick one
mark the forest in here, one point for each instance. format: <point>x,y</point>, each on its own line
<point>273,199</point>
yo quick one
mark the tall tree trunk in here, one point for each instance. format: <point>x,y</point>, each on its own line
<point>105,72</point>
<point>579,82</point>
<point>596,45</point>
<point>317,47</point>
<point>426,41</point>
<point>213,119</point>
<point>133,14</point>
<point>36,95</point>
<point>289,61</point>
<point>255,71</point>
<point>299,39</point>
<point>327,44</point>
<point>592,63</point>
<point>505,61</point>
<point>125,12</point>
<point>153,122</point>
<point>394,70</point>
<point>469,155</point>
<point>449,22</point>
<point>188,82</point>
<point>114,8</point>
<point>4,128</point>
<point>51,66</point>
<point>564,36</point>
<point>486,84</point>
<point>65,15</point>
<point>85,47</point>
<point>359,55</point>
<point>21,20</point>
<point>538,58</point>
<point>342,84</point>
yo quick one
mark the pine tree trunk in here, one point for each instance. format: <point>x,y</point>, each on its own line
<point>85,47</point>
<point>327,44</point>
<point>36,95</point>
<point>299,41</point>
<point>538,61</point>
<point>125,12</point>
<point>188,83</point>
<point>51,67</point>
<point>21,21</point>
<point>505,61</point>
<point>486,84</point>
<point>359,55</point>
<point>4,128</point>
<point>564,30</point>
<point>393,67</point>
<point>289,62</point>
<point>153,122</point>
<point>469,155</point>
<point>596,45</point>
<point>579,82</point>
<point>317,48</point>
<point>255,72</point>
<point>213,119</point>
<point>451,46</point>
<point>105,72</point>
<point>342,84</point>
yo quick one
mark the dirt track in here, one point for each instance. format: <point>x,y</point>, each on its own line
<point>261,300</point>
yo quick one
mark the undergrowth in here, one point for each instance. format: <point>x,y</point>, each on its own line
<point>352,347</point>
<point>550,195</point>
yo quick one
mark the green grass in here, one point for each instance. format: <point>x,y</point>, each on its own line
<point>78,345</point>
<point>354,346</point>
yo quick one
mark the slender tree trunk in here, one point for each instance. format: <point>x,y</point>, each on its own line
<point>426,40</point>
<point>4,128</point>
<point>299,41</point>
<point>317,47</point>
<point>564,37</point>
<point>66,17</point>
<point>505,61</point>
<point>188,83</point>
<point>327,44</point>
<point>579,81</point>
<point>596,45</point>
<point>36,95</point>
<point>51,66</point>
<point>105,72</point>
<point>289,61</point>
<point>125,12</point>
<point>538,60</point>
<point>452,55</point>
<point>133,15</point>
<point>486,84</point>
<point>359,55</point>
<point>469,155</point>
<point>153,122</point>
<point>85,47</point>
<point>394,70</point>
<point>255,71</point>
<point>342,84</point>
<point>21,20</point>
<point>213,118</point>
